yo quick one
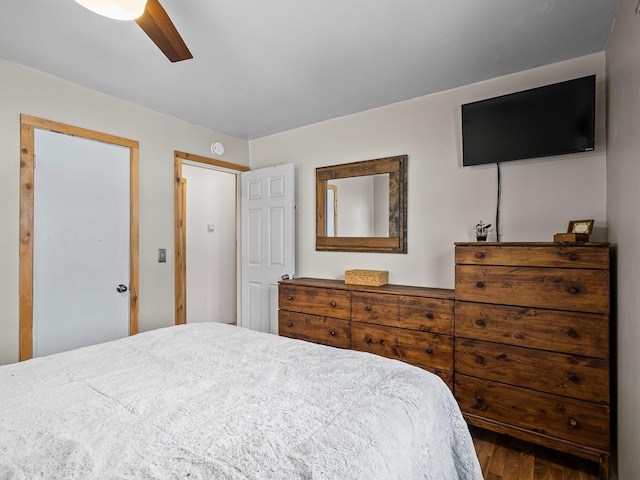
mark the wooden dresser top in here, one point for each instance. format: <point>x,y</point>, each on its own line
<point>444,293</point>
<point>534,244</point>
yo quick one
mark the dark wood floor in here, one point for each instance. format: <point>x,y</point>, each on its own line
<point>506,458</point>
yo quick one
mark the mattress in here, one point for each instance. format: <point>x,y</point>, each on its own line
<point>214,401</point>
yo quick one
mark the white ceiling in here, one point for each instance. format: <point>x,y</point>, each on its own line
<point>265,66</point>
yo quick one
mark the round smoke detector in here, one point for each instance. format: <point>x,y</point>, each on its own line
<point>217,148</point>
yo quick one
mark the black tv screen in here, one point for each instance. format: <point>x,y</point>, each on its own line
<point>550,120</point>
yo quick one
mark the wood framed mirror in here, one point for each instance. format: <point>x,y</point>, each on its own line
<point>362,206</point>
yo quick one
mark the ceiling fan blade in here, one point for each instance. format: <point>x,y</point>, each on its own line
<point>156,23</point>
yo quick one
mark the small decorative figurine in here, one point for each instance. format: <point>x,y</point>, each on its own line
<point>481,231</point>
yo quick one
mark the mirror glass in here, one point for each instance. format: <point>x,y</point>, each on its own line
<point>358,206</point>
<point>361,206</point>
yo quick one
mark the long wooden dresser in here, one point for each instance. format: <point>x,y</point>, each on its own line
<point>532,343</point>
<point>412,324</point>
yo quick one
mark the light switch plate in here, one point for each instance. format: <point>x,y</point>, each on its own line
<point>162,255</point>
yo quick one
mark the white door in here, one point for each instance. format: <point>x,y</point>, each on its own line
<point>268,242</point>
<point>81,242</point>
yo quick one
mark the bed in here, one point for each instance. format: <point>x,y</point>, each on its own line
<point>214,401</point>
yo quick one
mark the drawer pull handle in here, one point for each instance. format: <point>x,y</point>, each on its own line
<point>368,308</point>
<point>574,290</point>
<point>289,297</point>
<point>573,333</point>
<point>333,304</point>
<point>479,360</point>
<point>367,339</point>
<point>573,378</point>
<point>430,316</point>
<point>480,322</point>
<point>479,284</point>
<point>572,422</point>
<point>573,257</point>
<point>333,333</point>
<point>479,399</point>
<point>289,324</point>
<point>429,351</point>
<point>479,255</point>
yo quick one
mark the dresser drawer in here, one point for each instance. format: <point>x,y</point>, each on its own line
<point>569,332</point>
<point>566,289</point>
<point>427,314</point>
<point>567,375</point>
<point>558,255</point>
<point>418,348</point>
<point>574,420</point>
<point>412,312</point>
<point>313,328</point>
<point>318,301</point>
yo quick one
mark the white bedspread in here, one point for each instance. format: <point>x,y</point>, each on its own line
<point>212,401</point>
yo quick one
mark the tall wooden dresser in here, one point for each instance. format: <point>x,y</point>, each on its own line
<point>532,343</point>
<point>412,324</point>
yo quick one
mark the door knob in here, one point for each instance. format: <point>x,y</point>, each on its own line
<point>122,288</point>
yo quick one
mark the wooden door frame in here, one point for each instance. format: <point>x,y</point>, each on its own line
<point>180,230</point>
<point>27,188</point>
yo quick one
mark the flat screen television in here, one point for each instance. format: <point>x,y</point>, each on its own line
<point>550,120</point>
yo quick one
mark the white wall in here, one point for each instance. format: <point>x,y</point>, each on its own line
<point>23,90</point>
<point>623,198</point>
<point>211,254</point>
<point>445,200</point>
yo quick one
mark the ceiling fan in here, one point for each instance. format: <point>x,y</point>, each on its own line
<point>151,17</point>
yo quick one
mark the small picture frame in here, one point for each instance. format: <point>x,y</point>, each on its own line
<point>584,227</point>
